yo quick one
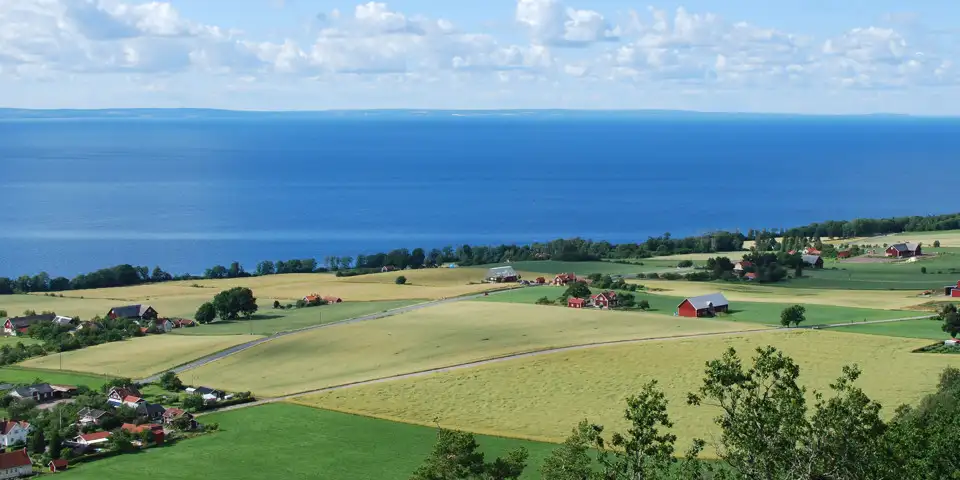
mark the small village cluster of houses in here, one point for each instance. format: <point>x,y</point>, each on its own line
<point>18,464</point>
<point>144,315</point>
<point>327,298</point>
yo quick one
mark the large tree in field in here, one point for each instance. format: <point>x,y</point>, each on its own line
<point>793,315</point>
<point>951,320</point>
<point>231,304</point>
<point>206,313</point>
<point>578,290</point>
<point>456,456</point>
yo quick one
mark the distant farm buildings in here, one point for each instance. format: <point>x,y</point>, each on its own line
<point>561,280</point>
<point>815,261</point>
<point>952,290</point>
<point>703,306</point>
<point>904,250</point>
<point>844,254</point>
<point>502,275</point>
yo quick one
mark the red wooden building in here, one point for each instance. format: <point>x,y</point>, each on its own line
<point>904,250</point>
<point>576,302</point>
<point>58,465</point>
<point>604,299</point>
<point>703,306</point>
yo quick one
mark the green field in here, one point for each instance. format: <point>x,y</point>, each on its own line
<point>269,321</point>
<point>767,313</point>
<point>543,397</point>
<point>434,337</point>
<point>943,269</point>
<point>294,442</point>
<point>17,375</point>
<point>930,329</point>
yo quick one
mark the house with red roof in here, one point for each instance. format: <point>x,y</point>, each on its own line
<point>58,465</point>
<point>811,251</point>
<point>15,464</point>
<point>117,395</point>
<point>332,299</point>
<point>575,302</point>
<point>173,414</point>
<point>563,279</point>
<point>740,266</point>
<point>604,299</point>
<point>137,430</point>
<point>13,432</point>
<point>132,401</point>
<point>93,439</point>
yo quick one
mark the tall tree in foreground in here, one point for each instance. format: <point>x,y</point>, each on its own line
<point>456,456</point>
<point>572,459</point>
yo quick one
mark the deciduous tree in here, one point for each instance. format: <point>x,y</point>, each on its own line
<point>950,319</point>
<point>206,313</point>
<point>456,456</point>
<point>793,315</point>
<point>231,304</point>
<point>578,290</point>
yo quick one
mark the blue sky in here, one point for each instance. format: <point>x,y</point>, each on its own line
<point>800,56</point>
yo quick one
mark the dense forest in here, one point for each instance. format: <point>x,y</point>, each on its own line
<point>575,249</point>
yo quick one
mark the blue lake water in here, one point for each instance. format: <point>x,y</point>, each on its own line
<point>185,194</point>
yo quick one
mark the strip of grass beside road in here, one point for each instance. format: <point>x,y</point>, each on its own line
<point>270,321</point>
<point>291,441</point>
<point>930,329</point>
<point>767,313</point>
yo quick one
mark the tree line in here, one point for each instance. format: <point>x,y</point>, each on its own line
<point>575,249</point>
<point>768,430</point>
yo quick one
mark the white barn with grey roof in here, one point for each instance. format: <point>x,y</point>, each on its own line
<point>502,274</point>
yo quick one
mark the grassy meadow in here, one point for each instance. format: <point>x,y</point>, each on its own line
<point>16,375</point>
<point>138,357</point>
<point>434,337</point>
<point>294,442</point>
<point>766,313</point>
<point>943,269</point>
<point>543,397</point>
<point>929,329</point>
<point>269,321</point>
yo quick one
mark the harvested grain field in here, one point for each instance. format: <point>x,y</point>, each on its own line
<point>876,299</point>
<point>181,299</point>
<point>433,337</point>
<point>138,357</point>
<point>543,397</point>
<point>947,238</point>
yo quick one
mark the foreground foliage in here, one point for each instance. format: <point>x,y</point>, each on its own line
<point>768,431</point>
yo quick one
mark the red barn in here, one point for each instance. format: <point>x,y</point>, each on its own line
<point>904,250</point>
<point>955,293</point>
<point>844,254</point>
<point>576,302</point>
<point>703,306</point>
<point>541,280</point>
<point>58,465</point>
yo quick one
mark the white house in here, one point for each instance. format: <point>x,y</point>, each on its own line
<point>209,395</point>
<point>13,432</point>
<point>15,464</point>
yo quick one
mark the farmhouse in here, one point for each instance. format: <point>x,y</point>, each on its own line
<point>563,279</point>
<point>15,464</point>
<point>388,268</point>
<point>39,393</point>
<point>93,439</point>
<point>502,275</point>
<point>703,306</point>
<point>904,250</point>
<point>541,281</point>
<point>604,299</point>
<point>152,411</point>
<point>133,312</point>
<point>575,302</point>
<point>58,465</point>
<point>132,401</point>
<point>173,414</point>
<point>162,324</point>
<point>750,276</point>
<point>209,394</point>
<point>117,395</point>
<point>13,432</point>
<point>17,325</point>
<point>91,416</point>
<point>815,261</point>
<point>332,299</point>
<point>739,267</point>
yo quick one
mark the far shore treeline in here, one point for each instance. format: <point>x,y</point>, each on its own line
<point>571,250</point>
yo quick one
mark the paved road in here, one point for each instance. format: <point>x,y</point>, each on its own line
<point>535,353</point>
<point>373,316</point>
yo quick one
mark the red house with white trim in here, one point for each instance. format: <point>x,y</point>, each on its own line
<point>904,250</point>
<point>604,299</point>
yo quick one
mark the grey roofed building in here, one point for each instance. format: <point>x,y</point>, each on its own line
<point>811,259</point>
<point>707,301</point>
<point>38,392</point>
<point>905,247</point>
<point>23,322</point>
<point>132,311</point>
<point>153,411</point>
<point>501,272</point>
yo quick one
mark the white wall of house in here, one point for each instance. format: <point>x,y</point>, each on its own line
<point>16,434</point>
<point>16,472</point>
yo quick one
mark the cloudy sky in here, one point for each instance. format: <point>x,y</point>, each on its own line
<point>804,56</point>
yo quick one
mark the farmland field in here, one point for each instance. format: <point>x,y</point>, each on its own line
<point>429,338</point>
<point>767,313</point>
<point>943,269</point>
<point>875,299</point>
<point>269,321</point>
<point>550,267</point>
<point>543,397</point>
<point>930,329</point>
<point>138,357</point>
<point>17,375</point>
<point>947,238</point>
<point>181,299</point>
<point>314,444</point>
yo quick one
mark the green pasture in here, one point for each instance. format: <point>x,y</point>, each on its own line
<point>269,321</point>
<point>17,375</point>
<point>930,329</point>
<point>941,270</point>
<point>294,442</point>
